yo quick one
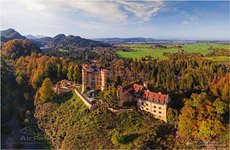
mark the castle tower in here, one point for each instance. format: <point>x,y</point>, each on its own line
<point>93,77</point>
<point>84,76</point>
<point>103,79</point>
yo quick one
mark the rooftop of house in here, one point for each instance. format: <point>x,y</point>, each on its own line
<point>137,88</point>
<point>145,94</point>
<point>156,97</point>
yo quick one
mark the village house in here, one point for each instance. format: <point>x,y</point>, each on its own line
<point>93,77</point>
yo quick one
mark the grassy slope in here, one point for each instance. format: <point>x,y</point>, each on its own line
<point>143,50</point>
<point>71,125</point>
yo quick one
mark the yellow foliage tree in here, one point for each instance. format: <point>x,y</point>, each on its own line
<point>46,90</point>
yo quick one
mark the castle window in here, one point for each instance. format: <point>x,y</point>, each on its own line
<point>154,106</point>
<point>159,107</point>
<point>160,112</point>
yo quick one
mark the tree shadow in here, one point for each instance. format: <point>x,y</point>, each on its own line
<point>61,98</point>
<point>129,138</point>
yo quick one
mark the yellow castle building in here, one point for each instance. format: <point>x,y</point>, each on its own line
<point>93,77</point>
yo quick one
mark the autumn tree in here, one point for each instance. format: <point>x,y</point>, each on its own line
<point>46,90</point>
<point>70,72</point>
<point>116,138</point>
<point>172,115</point>
<point>110,95</point>
<point>21,78</point>
<point>187,121</point>
<point>202,117</point>
<point>77,74</point>
<point>19,47</point>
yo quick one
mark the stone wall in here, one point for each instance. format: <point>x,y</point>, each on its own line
<point>119,110</point>
<point>84,99</point>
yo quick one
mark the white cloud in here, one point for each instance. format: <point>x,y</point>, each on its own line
<point>85,18</point>
<point>190,20</point>
<point>142,9</point>
<point>185,22</point>
<point>109,11</point>
<point>194,19</point>
<point>39,6</point>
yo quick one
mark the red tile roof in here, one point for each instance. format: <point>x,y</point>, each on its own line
<point>156,97</point>
<point>150,96</point>
<point>137,87</point>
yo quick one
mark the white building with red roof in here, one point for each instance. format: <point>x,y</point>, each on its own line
<point>154,103</point>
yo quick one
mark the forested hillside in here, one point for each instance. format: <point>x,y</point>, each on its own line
<point>15,48</point>
<point>17,113</point>
<point>198,114</point>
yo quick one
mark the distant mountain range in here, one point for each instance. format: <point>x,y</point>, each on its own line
<point>10,34</point>
<point>32,37</point>
<point>117,40</point>
<point>152,40</point>
<point>68,42</point>
<point>59,41</point>
<point>74,42</point>
<point>141,40</point>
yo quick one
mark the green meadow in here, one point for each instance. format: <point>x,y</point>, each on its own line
<point>203,48</point>
<point>142,50</point>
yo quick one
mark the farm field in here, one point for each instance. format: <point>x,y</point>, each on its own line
<point>219,58</point>
<point>142,50</point>
<point>203,48</point>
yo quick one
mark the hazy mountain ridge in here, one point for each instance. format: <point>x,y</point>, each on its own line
<point>32,37</point>
<point>135,39</point>
<point>62,41</point>
<point>68,42</point>
<point>143,40</point>
<point>10,34</point>
<point>152,40</point>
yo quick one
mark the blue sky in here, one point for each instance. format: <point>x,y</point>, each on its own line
<point>202,20</point>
